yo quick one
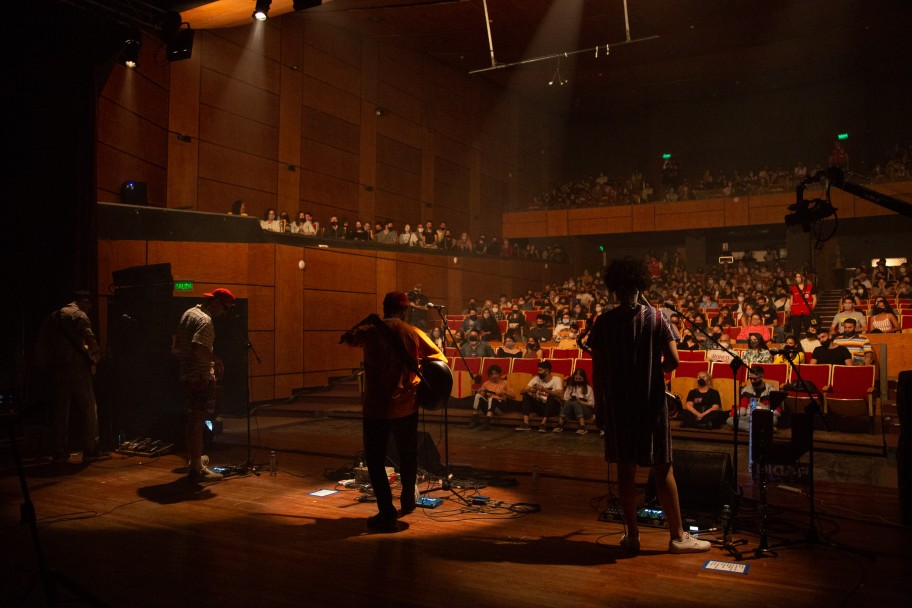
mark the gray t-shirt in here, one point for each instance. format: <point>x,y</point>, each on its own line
<point>195,328</point>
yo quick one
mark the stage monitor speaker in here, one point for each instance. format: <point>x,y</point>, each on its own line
<point>134,193</point>
<point>705,481</point>
<point>428,454</point>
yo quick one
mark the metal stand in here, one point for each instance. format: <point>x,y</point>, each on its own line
<point>50,580</point>
<point>248,466</point>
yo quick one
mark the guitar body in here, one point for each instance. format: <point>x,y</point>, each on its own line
<point>434,392</point>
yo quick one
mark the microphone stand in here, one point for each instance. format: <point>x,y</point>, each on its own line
<point>249,466</point>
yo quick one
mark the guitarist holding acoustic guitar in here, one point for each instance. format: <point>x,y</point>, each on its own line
<point>392,352</point>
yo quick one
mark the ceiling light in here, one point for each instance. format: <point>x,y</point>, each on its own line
<point>262,9</point>
<point>130,54</point>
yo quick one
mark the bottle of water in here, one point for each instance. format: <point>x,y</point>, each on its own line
<point>536,478</point>
<point>273,464</point>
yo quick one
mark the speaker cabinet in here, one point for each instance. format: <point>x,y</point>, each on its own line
<point>705,481</point>
<point>428,454</point>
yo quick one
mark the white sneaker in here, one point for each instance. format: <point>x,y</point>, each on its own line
<point>688,544</point>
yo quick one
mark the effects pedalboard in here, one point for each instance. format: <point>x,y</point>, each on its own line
<point>654,517</point>
<point>144,447</point>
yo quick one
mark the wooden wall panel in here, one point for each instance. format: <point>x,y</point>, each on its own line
<point>262,388</point>
<point>395,100</point>
<point>132,132</point>
<point>330,100</point>
<point>328,311</point>
<point>330,130</point>
<point>229,130</point>
<point>642,218</point>
<point>203,262</point>
<point>286,384</point>
<point>387,280</point>
<point>329,191</point>
<point>237,167</point>
<point>325,68</point>
<point>117,166</point>
<point>400,128</point>
<point>244,62</point>
<point>737,211</point>
<point>259,37</point>
<point>330,160</point>
<point>238,97</point>
<point>342,271</point>
<point>289,310</point>
<point>322,352</point>
<point>264,343</point>
<point>261,314</point>
<point>217,197</point>
<point>342,45</point>
<point>557,222</point>
<point>114,255</point>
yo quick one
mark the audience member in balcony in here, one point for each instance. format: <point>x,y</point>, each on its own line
<point>361,231</point>
<point>388,235</point>
<point>579,402</point>
<point>284,222</point>
<point>427,238</point>
<point>847,311</point>
<point>509,348</point>
<point>488,327</point>
<point>494,393</point>
<point>304,225</point>
<point>757,351</point>
<point>270,221</point>
<point>882,320</point>
<point>407,238</point>
<point>858,345</point>
<point>441,234</point>
<point>542,395</point>
<point>829,352</point>
<point>463,244</point>
<point>481,246</point>
<point>506,248</point>
<point>755,389</point>
<point>533,349</point>
<point>475,346</point>
<point>703,406</point>
<point>334,230</point>
<point>447,242</point>
<point>238,207</point>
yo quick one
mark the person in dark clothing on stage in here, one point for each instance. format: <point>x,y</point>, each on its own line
<point>633,346</point>
<point>389,402</point>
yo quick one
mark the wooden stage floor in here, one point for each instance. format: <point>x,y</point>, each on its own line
<point>133,532</point>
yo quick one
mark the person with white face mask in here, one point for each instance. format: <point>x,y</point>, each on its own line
<point>847,311</point>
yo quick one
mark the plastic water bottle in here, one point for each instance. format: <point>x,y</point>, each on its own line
<point>273,464</point>
<point>536,478</point>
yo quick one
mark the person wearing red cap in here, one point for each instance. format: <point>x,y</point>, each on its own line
<point>392,349</point>
<point>199,369</point>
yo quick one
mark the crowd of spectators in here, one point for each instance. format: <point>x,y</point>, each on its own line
<point>421,236</point>
<point>673,185</point>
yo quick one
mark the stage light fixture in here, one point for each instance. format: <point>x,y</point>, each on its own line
<point>261,11</point>
<point>177,36</point>
<point>130,54</point>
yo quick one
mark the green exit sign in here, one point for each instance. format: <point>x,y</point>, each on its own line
<point>666,156</point>
<point>183,285</point>
<point>842,136</point>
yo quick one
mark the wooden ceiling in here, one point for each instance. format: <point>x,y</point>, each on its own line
<point>704,49</point>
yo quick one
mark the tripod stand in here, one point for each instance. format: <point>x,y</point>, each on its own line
<point>50,580</point>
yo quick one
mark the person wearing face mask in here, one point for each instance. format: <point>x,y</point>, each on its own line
<point>270,221</point>
<point>810,340</point>
<point>533,350</point>
<point>755,389</point>
<point>418,312</point>
<point>830,353</point>
<point>471,320</point>
<point>570,342</point>
<point>757,351</point>
<point>859,346</point>
<point>579,400</point>
<point>488,327</point>
<point>688,341</point>
<point>804,301</point>
<point>540,333</point>
<point>334,230</point>
<point>494,393</point>
<point>720,352</point>
<point>542,395</point>
<point>703,406</point>
<point>882,320</point>
<point>516,325</point>
<point>562,328</point>
<point>847,311</point>
<point>362,231</point>
<point>790,351</point>
<point>408,238</point>
<point>509,348</point>
<point>476,347</point>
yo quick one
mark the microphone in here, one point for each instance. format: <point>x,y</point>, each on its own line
<point>431,305</point>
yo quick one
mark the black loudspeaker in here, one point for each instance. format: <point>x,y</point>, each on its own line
<point>134,193</point>
<point>428,454</point>
<point>705,481</point>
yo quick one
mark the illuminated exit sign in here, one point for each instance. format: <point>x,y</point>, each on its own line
<point>842,136</point>
<point>666,156</point>
<point>183,285</point>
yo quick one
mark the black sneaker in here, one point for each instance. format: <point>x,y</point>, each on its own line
<point>383,522</point>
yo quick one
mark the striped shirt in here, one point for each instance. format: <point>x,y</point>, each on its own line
<point>858,346</point>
